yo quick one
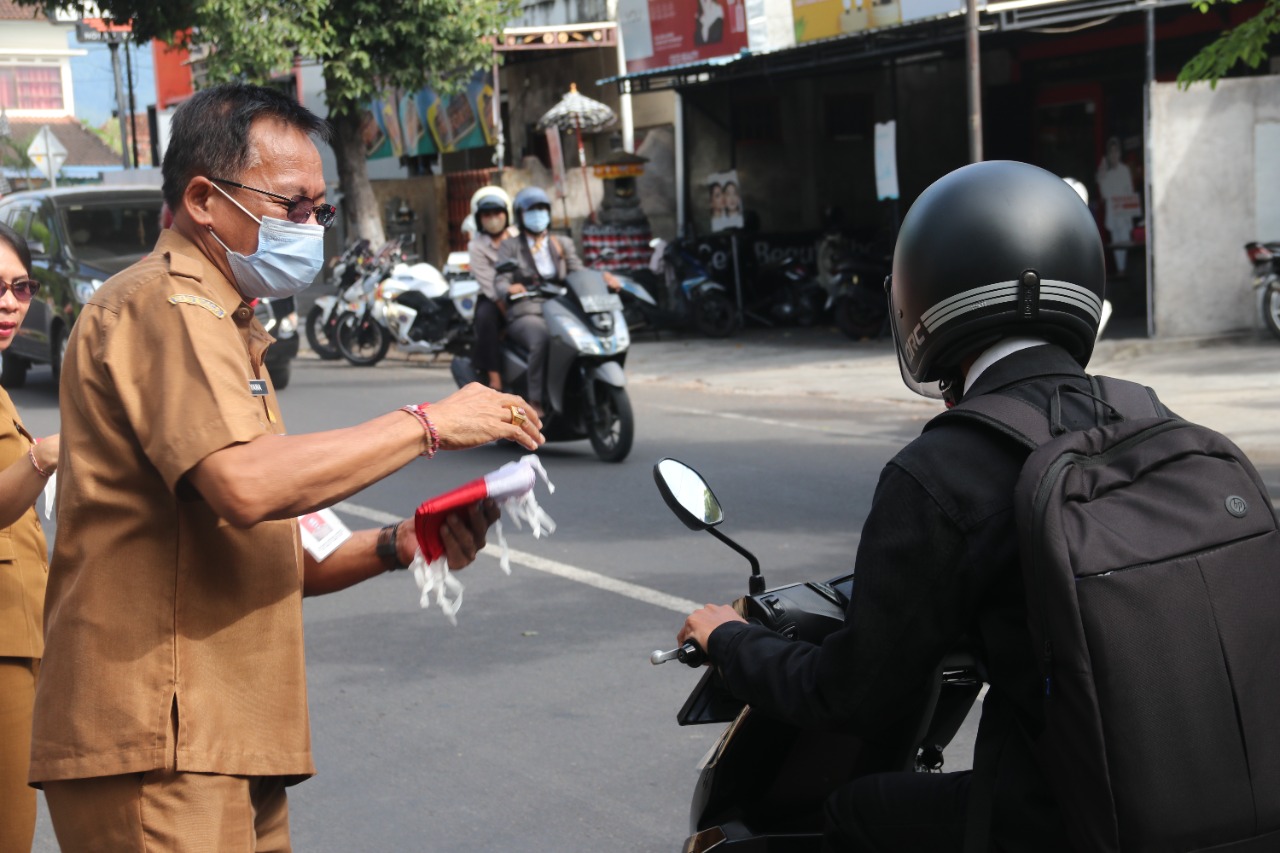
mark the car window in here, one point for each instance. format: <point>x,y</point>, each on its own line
<point>112,229</point>
<point>44,231</point>
<point>20,221</point>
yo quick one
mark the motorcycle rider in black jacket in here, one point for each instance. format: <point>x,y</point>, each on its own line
<point>938,557</point>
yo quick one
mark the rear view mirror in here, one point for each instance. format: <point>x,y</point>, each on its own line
<point>687,494</point>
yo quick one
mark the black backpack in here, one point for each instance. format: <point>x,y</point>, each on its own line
<point>1151,561</point>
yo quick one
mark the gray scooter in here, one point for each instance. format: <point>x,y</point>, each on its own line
<point>586,387</point>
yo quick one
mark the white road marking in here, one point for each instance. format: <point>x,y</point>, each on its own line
<point>683,606</point>
<point>887,441</point>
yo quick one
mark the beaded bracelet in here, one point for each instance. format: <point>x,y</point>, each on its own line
<point>433,438</point>
<point>31,454</point>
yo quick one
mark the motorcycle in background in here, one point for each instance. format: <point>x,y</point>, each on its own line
<point>763,784</point>
<point>347,269</point>
<point>854,275</point>
<point>413,307</point>
<point>586,387</point>
<point>689,296</point>
<point>785,293</point>
<point>1265,258</point>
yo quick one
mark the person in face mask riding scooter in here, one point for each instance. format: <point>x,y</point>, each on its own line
<point>491,211</point>
<point>541,258</point>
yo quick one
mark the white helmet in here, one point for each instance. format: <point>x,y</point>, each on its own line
<point>493,198</point>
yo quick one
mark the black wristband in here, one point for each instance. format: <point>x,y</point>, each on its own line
<point>387,548</point>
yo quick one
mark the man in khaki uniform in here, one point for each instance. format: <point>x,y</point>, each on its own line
<point>171,710</point>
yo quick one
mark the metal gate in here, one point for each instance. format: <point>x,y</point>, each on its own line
<point>460,187</point>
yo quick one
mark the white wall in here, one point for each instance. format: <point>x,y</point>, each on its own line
<point>1205,174</point>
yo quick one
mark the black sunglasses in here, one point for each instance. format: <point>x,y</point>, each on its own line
<point>298,209</point>
<point>23,288</point>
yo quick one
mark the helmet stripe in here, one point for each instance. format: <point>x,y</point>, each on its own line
<point>989,295</point>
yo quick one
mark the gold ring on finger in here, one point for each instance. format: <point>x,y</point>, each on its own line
<point>517,416</point>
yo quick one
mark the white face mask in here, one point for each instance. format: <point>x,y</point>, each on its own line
<point>289,257</point>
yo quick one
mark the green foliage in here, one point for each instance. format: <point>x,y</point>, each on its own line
<point>1247,43</point>
<point>368,47</point>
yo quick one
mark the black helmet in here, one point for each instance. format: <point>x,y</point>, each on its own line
<point>989,251</point>
<point>491,203</point>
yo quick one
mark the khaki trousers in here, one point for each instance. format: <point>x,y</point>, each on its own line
<point>165,811</point>
<point>17,798</point>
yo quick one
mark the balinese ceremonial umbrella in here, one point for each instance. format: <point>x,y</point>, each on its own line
<point>579,113</point>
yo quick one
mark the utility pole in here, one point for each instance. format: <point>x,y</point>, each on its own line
<point>111,34</point>
<point>974,68</point>
<point>133,112</point>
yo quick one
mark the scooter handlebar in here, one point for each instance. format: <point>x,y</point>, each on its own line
<point>690,654</point>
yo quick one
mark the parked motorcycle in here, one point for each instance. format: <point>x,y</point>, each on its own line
<point>688,297</point>
<point>785,293</point>
<point>415,308</point>
<point>1265,258</point>
<point>854,279</point>
<point>763,784</point>
<point>586,387</point>
<point>355,262</point>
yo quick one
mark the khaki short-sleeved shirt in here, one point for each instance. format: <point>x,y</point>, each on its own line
<point>153,601</point>
<point>24,563</point>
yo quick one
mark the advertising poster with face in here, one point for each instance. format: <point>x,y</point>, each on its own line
<point>724,198</point>
<point>662,33</point>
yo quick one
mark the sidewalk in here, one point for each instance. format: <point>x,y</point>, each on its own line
<point>1231,383</point>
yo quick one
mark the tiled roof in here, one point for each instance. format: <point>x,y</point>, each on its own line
<point>10,11</point>
<point>83,148</point>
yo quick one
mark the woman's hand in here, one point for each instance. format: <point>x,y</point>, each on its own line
<point>477,415</point>
<point>516,287</point>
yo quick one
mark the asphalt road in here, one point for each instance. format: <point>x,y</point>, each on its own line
<point>537,723</point>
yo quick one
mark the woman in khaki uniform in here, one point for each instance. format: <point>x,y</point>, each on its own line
<point>25,465</point>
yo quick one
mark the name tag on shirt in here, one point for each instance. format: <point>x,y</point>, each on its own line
<point>258,387</point>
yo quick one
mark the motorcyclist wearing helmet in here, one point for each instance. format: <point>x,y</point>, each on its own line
<point>491,212</point>
<point>541,258</point>
<point>997,285</point>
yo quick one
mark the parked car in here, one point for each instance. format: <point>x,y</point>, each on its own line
<point>80,237</point>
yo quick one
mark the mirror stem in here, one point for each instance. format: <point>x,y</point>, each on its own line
<point>756,584</point>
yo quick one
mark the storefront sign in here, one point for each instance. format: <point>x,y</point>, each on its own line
<point>819,19</point>
<point>415,123</point>
<point>662,33</point>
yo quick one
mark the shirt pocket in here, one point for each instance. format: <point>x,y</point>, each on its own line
<point>7,553</point>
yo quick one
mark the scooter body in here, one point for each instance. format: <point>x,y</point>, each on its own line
<point>586,385</point>
<point>1265,258</point>
<point>762,785</point>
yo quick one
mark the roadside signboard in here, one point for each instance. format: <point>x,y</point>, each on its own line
<point>47,153</point>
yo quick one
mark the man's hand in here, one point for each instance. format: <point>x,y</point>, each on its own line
<point>516,287</point>
<point>611,281</point>
<point>477,415</point>
<point>701,623</point>
<point>463,534</point>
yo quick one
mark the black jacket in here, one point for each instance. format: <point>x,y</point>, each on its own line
<point>938,560</point>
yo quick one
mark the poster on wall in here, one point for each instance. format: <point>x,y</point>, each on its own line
<point>421,122</point>
<point>886,160</point>
<point>819,19</point>
<point>724,200</point>
<point>662,33</point>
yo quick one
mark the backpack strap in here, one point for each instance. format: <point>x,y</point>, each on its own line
<point>1129,398</point>
<point>1024,422</point>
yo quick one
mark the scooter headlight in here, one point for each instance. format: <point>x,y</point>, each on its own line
<point>584,339</point>
<point>603,323</point>
<point>622,332</point>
